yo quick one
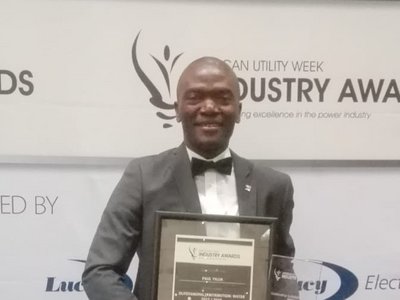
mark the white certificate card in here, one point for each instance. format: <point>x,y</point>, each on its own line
<point>207,268</point>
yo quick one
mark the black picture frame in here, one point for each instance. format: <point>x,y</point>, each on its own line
<point>174,231</point>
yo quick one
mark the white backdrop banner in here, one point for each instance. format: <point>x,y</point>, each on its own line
<point>83,78</point>
<point>89,80</point>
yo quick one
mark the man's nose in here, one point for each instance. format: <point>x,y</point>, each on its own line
<point>209,106</point>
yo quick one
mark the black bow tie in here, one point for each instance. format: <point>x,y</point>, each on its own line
<point>223,166</point>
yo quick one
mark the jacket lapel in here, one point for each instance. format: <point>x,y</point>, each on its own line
<point>184,180</point>
<point>245,186</point>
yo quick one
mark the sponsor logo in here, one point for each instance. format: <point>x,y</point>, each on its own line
<point>57,284</point>
<point>61,285</point>
<point>348,281</point>
<point>11,82</point>
<point>166,66</point>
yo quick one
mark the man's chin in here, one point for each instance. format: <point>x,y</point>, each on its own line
<point>210,148</point>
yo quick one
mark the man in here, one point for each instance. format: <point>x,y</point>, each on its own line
<point>208,107</point>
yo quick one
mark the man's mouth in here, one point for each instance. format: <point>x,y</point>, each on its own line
<point>209,125</point>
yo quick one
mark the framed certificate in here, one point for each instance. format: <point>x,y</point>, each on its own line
<point>212,257</point>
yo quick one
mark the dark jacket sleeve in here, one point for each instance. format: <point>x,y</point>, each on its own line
<point>284,242</point>
<point>116,240</point>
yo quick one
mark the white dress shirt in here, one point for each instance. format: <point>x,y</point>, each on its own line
<point>217,195</point>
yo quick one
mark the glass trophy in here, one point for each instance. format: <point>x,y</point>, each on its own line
<point>292,279</point>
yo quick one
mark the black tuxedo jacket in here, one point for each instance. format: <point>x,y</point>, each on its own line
<point>164,182</point>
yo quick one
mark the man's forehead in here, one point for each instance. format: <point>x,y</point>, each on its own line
<point>207,71</point>
<point>216,89</point>
<point>209,77</point>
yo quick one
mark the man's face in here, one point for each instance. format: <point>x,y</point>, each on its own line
<point>208,107</point>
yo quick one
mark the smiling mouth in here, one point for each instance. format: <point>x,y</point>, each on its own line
<point>209,125</point>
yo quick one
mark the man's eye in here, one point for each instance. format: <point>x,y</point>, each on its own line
<point>193,96</point>
<point>224,97</point>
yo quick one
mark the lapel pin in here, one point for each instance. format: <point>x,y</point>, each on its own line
<point>247,187</point>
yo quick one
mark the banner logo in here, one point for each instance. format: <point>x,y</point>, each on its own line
<point>166,66</point>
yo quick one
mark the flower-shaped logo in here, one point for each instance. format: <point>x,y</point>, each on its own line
<point>278,274</point>
<point>166,67</point>
<point>193,252</point>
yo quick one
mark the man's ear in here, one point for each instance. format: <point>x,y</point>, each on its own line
<point>178,116</point>
<point>239,113</point>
